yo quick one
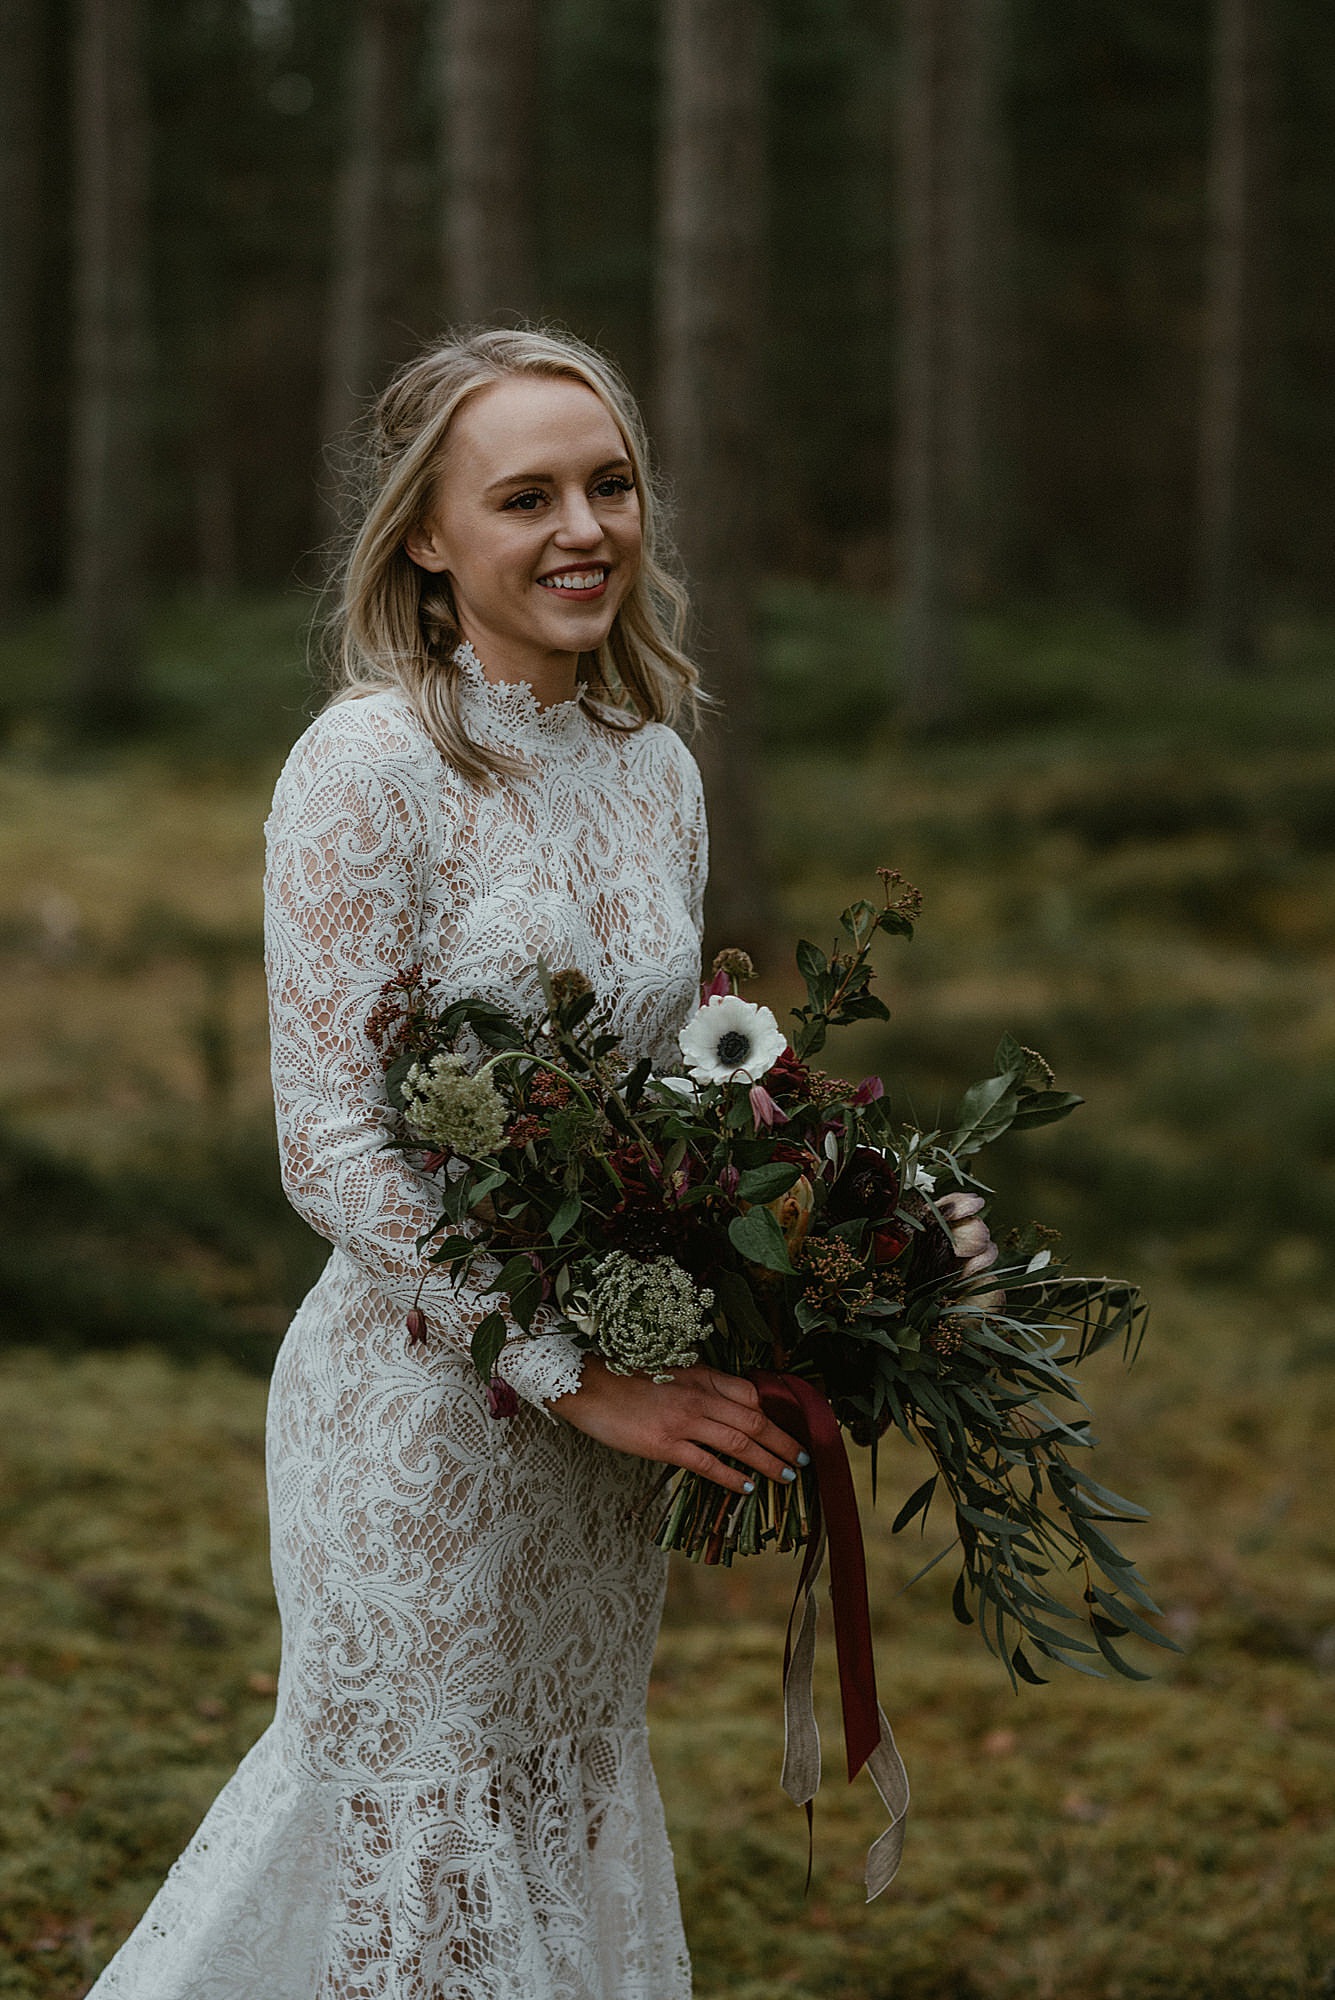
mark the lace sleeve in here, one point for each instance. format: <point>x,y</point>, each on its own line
<point>697,843</point>
<point>351,848</point>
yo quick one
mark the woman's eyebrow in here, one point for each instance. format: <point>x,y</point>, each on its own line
<point>549,478</point>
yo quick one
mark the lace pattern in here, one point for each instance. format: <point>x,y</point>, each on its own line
<point>455,1797</point>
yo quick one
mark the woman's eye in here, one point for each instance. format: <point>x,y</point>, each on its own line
<point>615,482</point>
<point>526,501</point>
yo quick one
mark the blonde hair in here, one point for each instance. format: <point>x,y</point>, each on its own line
<point>396,625</point>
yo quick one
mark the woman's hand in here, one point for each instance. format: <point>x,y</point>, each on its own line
<point>685,1422</point>
<point>969,1233</point>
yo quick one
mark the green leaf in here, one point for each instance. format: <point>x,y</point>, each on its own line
<point>511,1275</point>
<point>1010,1059</point>
<point>984,1114</point>
<point>1044,1107</point>
<point>571,1012</point>
<point>1023,1667</point>
<point>1131,1621</point>
<point>917,1503</point>
<point>566,1215</point>
<point>525,1298</point>
<point>1115,1660</point>
<point>958,1603</point>
<point>396,1074</point>
<point>486,1344</point>
<point>1118,1508</point>
<point>758,1237</point>
<point>811,961</point>
<point>863,1007</point>
<point>768,1182</point>
<point>857,916</point>
<point>740,1309</point>
<point>453,1248</point>
<point>633,1089</point>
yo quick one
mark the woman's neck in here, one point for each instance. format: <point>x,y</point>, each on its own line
<point>552,676</point>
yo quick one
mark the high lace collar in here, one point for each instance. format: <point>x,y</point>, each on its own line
<point>507,715</point>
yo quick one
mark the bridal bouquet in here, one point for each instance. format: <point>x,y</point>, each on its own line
<point>783,1223</point>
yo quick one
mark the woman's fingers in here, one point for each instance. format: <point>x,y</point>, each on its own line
<point>688,1422</point>
<point>736,1443</point>
<point>694,1458</point>
<point>732,1400</point>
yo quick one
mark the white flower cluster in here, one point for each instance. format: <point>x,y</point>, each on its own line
<point>646,1318</point>
<point>448,1107</point>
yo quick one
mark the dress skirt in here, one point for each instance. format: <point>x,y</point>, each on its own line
<point>455,1799</point>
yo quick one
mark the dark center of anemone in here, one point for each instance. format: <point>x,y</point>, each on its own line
<point>732,1048</point>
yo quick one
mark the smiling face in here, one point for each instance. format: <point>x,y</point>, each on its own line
<point>535,520</point>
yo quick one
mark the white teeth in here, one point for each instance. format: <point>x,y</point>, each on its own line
<point>579,580</point>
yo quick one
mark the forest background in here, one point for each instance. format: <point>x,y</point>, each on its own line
<point>987,348</point>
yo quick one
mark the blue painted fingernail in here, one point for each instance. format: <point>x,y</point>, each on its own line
<point>804,1458</point>
<point>749,1486</point>
<point>788,1473</point>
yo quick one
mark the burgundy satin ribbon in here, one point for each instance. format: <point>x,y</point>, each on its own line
<point>799,1408</point>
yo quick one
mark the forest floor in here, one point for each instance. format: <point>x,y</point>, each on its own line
<point>1133,875</point>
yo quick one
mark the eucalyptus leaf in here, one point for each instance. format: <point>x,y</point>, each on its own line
<point>565,1217</point>
<point>918,1502</point>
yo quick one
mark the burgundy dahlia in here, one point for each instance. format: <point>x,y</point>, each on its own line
<point>867,1187</point>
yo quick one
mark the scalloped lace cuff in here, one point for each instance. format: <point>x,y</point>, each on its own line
<point>540,1367</point>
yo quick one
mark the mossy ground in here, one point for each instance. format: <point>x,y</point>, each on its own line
<point>1135,879</point>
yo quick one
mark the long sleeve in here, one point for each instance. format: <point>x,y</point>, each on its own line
<point>352,840</point>
<point>697,844</point>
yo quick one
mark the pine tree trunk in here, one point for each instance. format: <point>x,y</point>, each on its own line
<point>977,214</point>
<point>953,207</point>
<point>1231,334</point>
<point>21,136</point>
<point>927,527</point>
<point>491,57</point>
<point>709,343</point>
<point>360,278</point>
<point>110,362</point>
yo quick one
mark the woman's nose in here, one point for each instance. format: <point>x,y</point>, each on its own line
<point>578,525</point>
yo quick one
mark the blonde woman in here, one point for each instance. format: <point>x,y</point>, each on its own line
<point>455,1800</point>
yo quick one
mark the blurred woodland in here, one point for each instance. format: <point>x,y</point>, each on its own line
<point>988,298</point>
<point>986,347</point>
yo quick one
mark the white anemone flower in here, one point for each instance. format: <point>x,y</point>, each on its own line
<point>731,1039</point>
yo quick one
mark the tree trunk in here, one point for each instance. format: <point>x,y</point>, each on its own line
<point>491,59</point>
<point>22,97</point>
<point>360,280</point>
<point>951,206</point>
<point>1228,445</point>
<point>977,221</point>
<point>110,362</point>
<point>709,341</point>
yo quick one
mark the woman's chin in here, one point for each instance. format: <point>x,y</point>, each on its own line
<point>577,628</point>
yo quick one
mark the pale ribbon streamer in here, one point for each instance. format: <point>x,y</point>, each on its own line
<point>801,1746</point>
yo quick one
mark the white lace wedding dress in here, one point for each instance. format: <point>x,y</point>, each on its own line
<point>455,1800</point>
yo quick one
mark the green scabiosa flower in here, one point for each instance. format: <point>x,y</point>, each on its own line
<point>447,1107</point>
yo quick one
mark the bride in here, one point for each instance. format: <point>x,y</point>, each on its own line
<point>454,1800</point>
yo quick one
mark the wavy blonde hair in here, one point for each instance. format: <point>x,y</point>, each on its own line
<point>396,625</point>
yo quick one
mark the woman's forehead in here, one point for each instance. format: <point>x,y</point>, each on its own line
<point>516,426</point>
